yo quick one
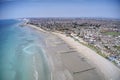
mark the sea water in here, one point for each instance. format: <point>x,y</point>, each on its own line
<point>22,56</point>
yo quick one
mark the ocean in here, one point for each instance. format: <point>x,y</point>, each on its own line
<point>22,54</point>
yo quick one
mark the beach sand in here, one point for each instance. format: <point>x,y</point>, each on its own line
<point>70,60</point>
<point>109,70</point>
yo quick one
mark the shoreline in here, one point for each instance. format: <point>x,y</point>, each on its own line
<point>105,66</point>
<point>35,27</point>
<point>48,58</point>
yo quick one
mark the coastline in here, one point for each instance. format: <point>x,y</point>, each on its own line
<point>105,66</point>
<point>47,57</point>
<point>35,27</point>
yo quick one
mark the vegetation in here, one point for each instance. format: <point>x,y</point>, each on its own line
<point>112,33</point>
<point>117,47</point>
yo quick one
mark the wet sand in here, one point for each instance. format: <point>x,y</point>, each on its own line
<point>67,63</point>
<point>69,60</point>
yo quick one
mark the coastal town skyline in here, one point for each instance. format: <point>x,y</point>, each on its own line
<point>59,8</point>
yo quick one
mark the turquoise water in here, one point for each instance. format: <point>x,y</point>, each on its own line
<point>22,56</point>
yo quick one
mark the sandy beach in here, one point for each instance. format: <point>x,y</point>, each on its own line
<point>70,60</point>
<point>110,71</point>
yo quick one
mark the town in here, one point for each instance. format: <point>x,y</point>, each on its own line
<point>101,35</point>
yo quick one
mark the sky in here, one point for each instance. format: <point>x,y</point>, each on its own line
<point>10,9</point>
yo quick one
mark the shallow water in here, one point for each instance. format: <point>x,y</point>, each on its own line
<point>21,53</point>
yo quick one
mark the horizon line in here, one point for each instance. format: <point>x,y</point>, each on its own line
<point>65,17</point>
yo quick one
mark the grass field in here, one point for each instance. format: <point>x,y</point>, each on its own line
<point>112,33</point>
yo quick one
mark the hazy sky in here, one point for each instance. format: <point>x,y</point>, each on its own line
<point>59,8</point>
